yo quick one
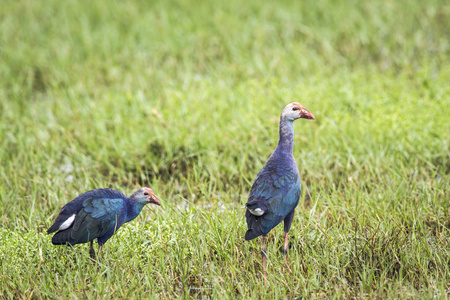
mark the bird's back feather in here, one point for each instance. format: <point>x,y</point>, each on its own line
<point>97,213</point>
<point>276,189</point>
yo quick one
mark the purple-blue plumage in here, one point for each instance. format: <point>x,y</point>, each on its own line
<point>98,214</point>
<point>276,190</point>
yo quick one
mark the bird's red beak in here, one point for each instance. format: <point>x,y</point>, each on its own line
<point>155,200</point>
<point>305,114</point>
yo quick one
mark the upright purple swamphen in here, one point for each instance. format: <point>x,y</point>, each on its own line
<point>276,190</point>
<point>98,214</point>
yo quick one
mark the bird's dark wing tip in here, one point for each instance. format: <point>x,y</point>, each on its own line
<point>251,234</point>
<point>52,229</point>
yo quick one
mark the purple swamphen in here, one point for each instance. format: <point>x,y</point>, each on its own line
<point>276,190</point>
<point>98,214</point>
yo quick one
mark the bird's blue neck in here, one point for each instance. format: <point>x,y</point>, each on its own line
<point>134,209</point>
<point>286,142</point>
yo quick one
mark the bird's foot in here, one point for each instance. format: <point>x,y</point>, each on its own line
<point>265,281</point>
<point>287,263</point>
<point>287,267</point>
<point>284,250</point>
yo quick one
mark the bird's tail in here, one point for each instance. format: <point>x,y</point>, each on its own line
<point>251,234</point>
<point>254,226</point>
<point>63,238</point>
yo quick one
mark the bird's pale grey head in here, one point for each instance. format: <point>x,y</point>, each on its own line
<point>145,195</point>
<point>294,111</point>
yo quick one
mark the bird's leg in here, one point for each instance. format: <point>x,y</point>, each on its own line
<point>100,247</point>
<point>264,259</point>
<point>286,243</point>
<point>92,251</point>
<point>285,250</point>
<point>287,226</point>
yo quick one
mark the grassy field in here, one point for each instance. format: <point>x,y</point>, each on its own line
<point>185,97</point>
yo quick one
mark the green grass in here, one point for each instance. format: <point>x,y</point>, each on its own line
<point>185,97</point>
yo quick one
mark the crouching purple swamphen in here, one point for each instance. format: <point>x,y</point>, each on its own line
<point>98,214</point>
<point>276,190</point>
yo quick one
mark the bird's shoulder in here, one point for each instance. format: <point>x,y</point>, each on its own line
<point>79,202</point>
<point>275,177</point>
<point>104,203</point>
<point>104,194</point>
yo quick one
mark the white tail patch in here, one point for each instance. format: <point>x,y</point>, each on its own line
<point>67,222</point>
<point>257,211</point>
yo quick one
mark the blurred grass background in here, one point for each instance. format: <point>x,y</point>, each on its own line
<point>185,97</point>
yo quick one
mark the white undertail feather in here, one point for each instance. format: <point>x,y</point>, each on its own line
<point>257,211</point>
<point>67,222</point>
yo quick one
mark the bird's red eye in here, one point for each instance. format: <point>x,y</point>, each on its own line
<point>295,108</point>
<point>145,193</point>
